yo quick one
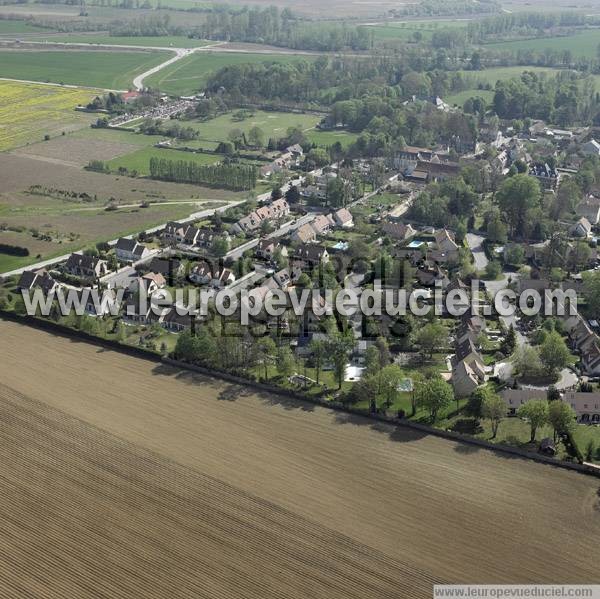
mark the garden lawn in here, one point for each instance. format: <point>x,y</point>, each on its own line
<point>586,434</point>
<point>489,77</point>
<point>460,98</point>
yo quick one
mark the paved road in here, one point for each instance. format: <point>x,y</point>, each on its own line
<point>121,279</point>
<point>180,53</point>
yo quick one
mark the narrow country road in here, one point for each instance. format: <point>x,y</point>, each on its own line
<point>180,53</point>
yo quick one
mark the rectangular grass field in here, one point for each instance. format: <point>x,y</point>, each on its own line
<point>328,138</point>
<point>165,41</point>
<point>583,44</point>
<point>405,31</point>
<point>273,124</point>
<point>10,27</point>
<point>102,69</point>
<point>140,159</point>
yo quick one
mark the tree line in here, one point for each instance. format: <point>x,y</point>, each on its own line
<point>268,25</point>
<point>438,8</point>
<point>564,99</point>
<point>523,24</point>
<point>233,176</point>
<point>169,128</point>
<point>271,25</point>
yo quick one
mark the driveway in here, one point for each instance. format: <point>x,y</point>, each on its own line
<point>120,279</point>
<point>493,287</point>
<point>567,380</point>
<point>475,243</point>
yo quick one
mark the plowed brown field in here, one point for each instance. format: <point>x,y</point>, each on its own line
<point>125,479</point>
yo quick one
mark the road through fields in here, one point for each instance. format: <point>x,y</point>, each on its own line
<point>123,478</point>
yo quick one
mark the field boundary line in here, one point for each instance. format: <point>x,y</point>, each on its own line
<point>137,352</point>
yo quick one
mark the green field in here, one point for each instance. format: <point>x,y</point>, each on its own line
<point>273,124</point>
<point>405,31</point>
<point>169,41</point>
<point>10,27</point>
<point>140,159</point>
<point>490,77</point>
<point>328,138</point>
<point>584,44</point>
<point>109,70</point>
<point>189,74</point>
<point>460,98</point>
<point>139,139</point>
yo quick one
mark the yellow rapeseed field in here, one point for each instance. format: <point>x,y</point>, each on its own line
<point>29,111</point>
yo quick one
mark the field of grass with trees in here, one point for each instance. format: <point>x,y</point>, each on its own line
<point>138,162</point>
<point>189,74</point>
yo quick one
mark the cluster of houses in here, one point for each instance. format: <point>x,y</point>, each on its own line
<point>433,254</point>
<point>290,158</point>
<point>176,234</point>
<point>429,250</point>
<point>322,225</point>
<point>586,342</point>
<point>422,165</point>
<point>317,190</point>
<point>269,213</point>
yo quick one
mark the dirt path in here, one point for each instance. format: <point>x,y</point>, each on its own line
<point>123,478</point>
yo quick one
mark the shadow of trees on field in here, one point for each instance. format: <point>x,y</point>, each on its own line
<point>214,389</point>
